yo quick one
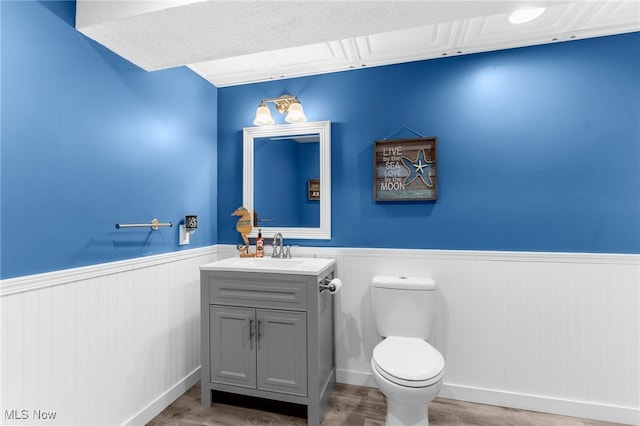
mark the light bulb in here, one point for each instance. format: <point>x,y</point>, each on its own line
<point>295,114</point>
<point>263,116</point>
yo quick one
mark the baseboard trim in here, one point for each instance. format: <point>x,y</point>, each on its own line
<point>582,409</point>
<point>164,400</point>
<point>357,378</point>
<point>586,410</point>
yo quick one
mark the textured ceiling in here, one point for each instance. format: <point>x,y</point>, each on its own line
<point>238,42</point>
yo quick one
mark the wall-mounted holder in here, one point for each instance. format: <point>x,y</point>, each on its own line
<point>333,285</point>
<point>189,227</point>
<point>155,224</point>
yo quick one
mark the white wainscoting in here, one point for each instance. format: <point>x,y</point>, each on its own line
<point>552,332</point>
<point>103,345</point>
<point>116,343</point>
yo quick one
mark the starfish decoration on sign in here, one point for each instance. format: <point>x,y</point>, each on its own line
<point>418,168</point>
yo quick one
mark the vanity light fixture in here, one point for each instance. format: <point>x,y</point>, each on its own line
<point>285,104</point>
<point>525,15</point>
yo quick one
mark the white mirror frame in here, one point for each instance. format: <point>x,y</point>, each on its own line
<point>323,129</point>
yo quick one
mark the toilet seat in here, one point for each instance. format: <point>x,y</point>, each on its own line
<point>408,361</point>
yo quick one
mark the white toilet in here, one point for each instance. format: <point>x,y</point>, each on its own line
<point>406,368</point>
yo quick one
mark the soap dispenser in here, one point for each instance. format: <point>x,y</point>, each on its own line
<point>260,245</point>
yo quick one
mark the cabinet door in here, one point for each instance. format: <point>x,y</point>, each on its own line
<point>233,345</point>
<point>282,351</point>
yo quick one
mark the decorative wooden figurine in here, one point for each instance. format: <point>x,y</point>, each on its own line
<point>244,228</point>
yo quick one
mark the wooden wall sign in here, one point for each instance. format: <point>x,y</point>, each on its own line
<point>406,169</point>
<point>313,186</point>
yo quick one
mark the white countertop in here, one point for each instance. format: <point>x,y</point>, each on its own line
<point>296,265</point>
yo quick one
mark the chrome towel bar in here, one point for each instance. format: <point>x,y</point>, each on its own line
<point>155,224</point>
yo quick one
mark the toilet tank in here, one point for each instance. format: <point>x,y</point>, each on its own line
<point>403,306</point>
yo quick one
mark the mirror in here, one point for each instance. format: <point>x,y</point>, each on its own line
<point>287,179</point>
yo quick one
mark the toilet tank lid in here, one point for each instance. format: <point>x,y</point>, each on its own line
<point>404,283</point>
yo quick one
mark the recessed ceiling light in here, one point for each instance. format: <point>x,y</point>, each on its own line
<point>525,15</point>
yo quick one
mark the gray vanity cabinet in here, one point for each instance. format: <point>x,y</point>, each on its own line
<point>282,351</point>
<point>259,348</point>
<point>268,335</point>
<point>233,358</point>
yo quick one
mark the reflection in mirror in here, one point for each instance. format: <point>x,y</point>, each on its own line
<point>283,167</point>
<point>287,179</point>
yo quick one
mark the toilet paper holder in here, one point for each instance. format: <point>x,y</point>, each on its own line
<point>326,284</point>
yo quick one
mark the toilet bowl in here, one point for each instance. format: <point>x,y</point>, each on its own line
<point>408,371</point>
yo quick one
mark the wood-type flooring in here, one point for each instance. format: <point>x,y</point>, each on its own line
<point>349,406</point>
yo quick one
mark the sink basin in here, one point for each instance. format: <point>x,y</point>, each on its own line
<point>269,263</point>
<point>297,265</point>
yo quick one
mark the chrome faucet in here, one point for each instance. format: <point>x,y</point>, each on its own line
<point>277,248</point>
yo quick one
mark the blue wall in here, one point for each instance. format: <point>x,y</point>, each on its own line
<point>539,148</point>
<point>274,176</point>
<point>89,140</point>
<point>309,160</point>
<point>270,156</point>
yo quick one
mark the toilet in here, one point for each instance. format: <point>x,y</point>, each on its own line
<point>406,368</point>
